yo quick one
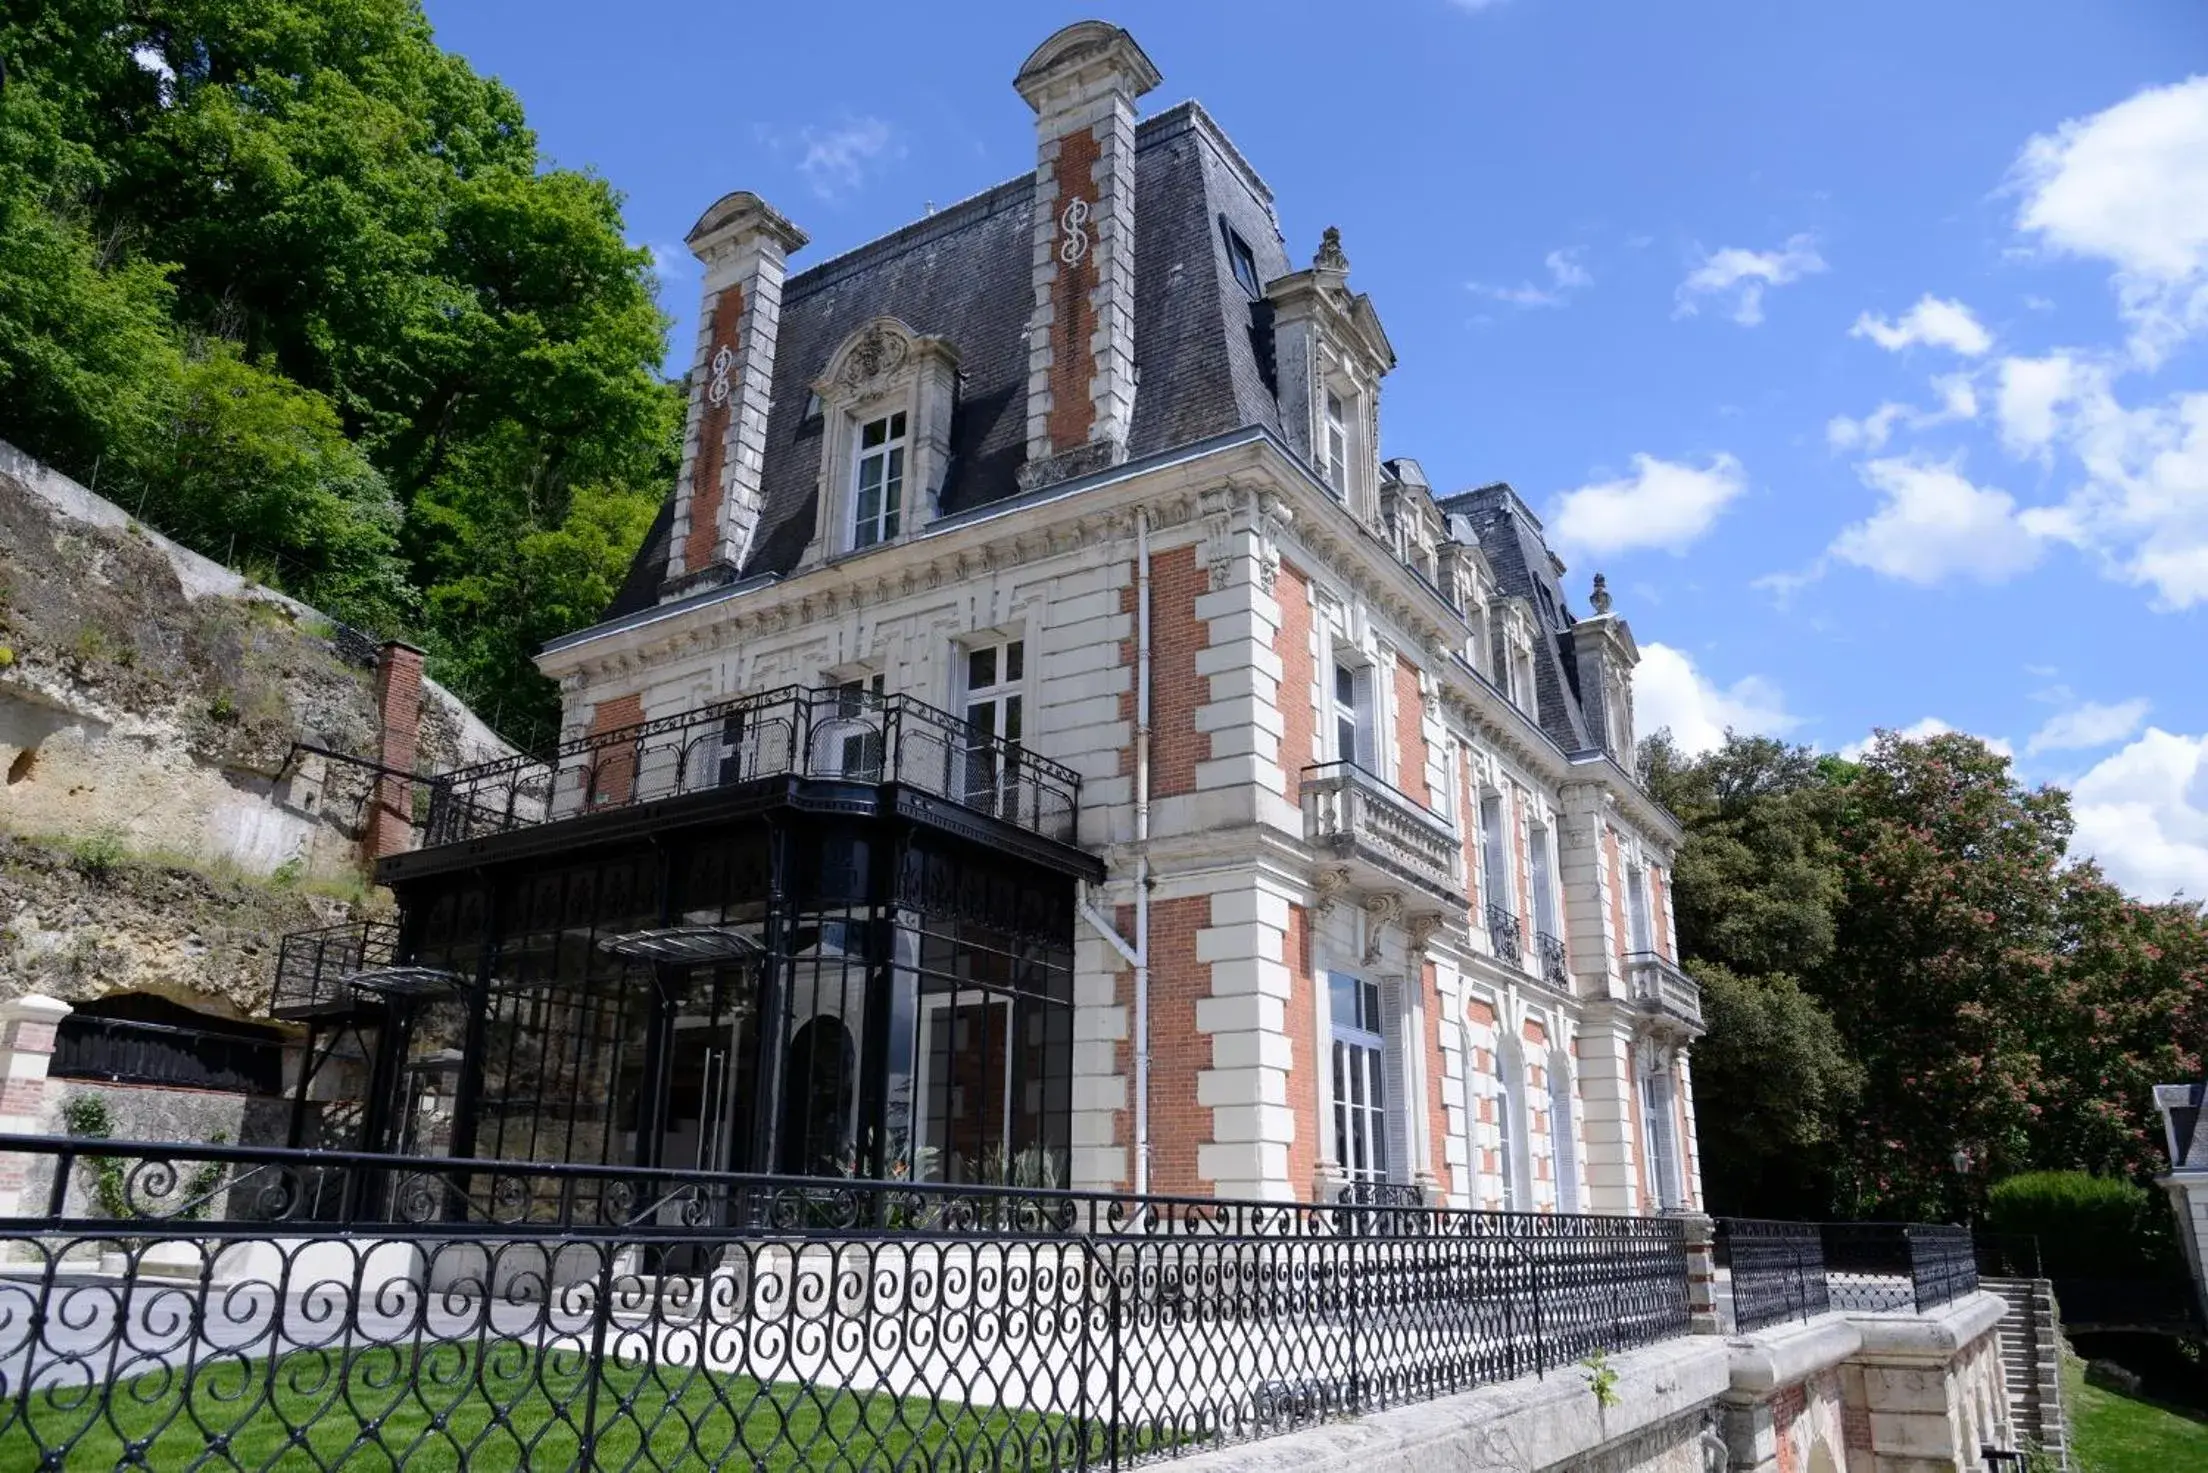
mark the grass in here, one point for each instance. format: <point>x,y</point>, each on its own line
<point>2115,1433</point>
<point>498,1410</point>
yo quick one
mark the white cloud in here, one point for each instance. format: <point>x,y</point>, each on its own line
<point>1566,275</point>
<point>1662,504</point>
<point>1935,321</point>
<point>1958,400</point>
<point>2129,186</point>
<point>836,161</point>
<point>1668,692</point>
<point>1917,731</point>
<point>2091,724</point>
<point>2143,813</point>
<point>2031,391</point>
<point>1935,524</point>
<point>1743,275</point>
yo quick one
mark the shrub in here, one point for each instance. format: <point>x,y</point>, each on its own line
<point>2089,1227</point>
<point>96,856</point>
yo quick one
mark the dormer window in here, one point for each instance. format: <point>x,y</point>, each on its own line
<point>1336,461</point>
<point>1241,260</point>
<point>886,406</point>
<point>878,485</point>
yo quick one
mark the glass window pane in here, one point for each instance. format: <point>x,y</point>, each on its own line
<point>981,669</point>
<point>873,434</point>
<point>870,473</point>
<point>896,460</point>
<point>1011,731</point>
<point>1372,1007</point>
<point>1015,659</point>
<point>897,426</point>
<point>1342,1001</point>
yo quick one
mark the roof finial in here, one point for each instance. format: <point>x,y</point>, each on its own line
<point>1330,257</point>
<point>1600,598</point>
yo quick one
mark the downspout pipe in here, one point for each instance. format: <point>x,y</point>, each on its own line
<point>1136,954</point>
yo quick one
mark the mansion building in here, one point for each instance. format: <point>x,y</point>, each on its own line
<point>1043,741</point>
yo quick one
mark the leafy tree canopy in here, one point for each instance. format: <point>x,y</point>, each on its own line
<point>298,284</point>
<point>1912,989</point>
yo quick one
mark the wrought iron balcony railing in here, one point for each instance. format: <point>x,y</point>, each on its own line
<point>1363,821</point>
<point>313,968</point>
<point>1502,935</point>
<point>1660,988</point>
<point>791,732</point>
<point>1555,960</point>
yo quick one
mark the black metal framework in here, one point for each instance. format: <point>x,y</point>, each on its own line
<point>1556,965</point>
<point>1776,1270</point>
<point>124,1051</point>
<point>1502,934</point>
<point>1897,1266</point>
<point>793,732</point>
<point>525,1314</point>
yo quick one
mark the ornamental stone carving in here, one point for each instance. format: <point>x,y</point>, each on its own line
<point>878,352</point>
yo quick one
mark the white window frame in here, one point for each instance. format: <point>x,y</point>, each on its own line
<point>1660,1129</point>
<point>894,455</point>
<point>1513,1124</point>
<point>1640,923</point>
<point>1359,1054</point>
<point>1334,441</point>
<point>933,1006</point>
<point>1358,716</point>
<point>997,707</point>
<point>1563,1140</point>
<point>1541,868</point>
<point>1496,880</point>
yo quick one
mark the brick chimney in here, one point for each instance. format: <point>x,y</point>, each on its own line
<point>399,726</point>
<point>1082,83</point>
<point>745,248</point>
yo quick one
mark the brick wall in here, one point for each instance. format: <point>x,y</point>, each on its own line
<point>1073,310</point>
<point>726,315</point>
<point>1299,736</point>
<point>1303,1054</point>
<point>1410,732</point>
<point>399,722</point>
<point>616,764</point>
<point>1178,1053</point>
<point>1176,634</point>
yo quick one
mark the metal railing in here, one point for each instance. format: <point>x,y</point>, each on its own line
<point>1777,1270</point>
<point>1555,960</point>
<point>1502,935</point>
<point>1661,988</point>
<point>1356,815</point>
<point>312,966</point>
<point>528,1314</point>
<point>790,732</point>
<point>1885,1267</point>
<point>128,1051</point>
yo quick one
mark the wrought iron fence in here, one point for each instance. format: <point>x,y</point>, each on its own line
<point>521,1314</point>
<point>128,1051</point>
<point>791,732</point>
<point>1777,1270</point>
<point>1897,1266</point>
<point>1502,934</point>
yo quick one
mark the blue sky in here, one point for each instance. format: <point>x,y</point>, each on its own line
<point>1865,348</point>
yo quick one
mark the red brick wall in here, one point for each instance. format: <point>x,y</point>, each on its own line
<point>1176,746</point>
<point>1073,314</point>
<point>1299,735</point>
<point>726,313</point>
<point>616,763</point>
<point>399,719</point>
<point>1178,1125</point>
<point>1437,1090</point>
<point>1410,732</point>
<point>1303,1054</point>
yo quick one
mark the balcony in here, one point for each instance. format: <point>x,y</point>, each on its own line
<point>1379,834</point>
<point>1502,936</point>
<point>814,744</point>
<point>1664,992</point>
<point>1555,962</point>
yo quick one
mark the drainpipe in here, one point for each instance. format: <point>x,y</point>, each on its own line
<point>1142,850</point>
<point>1137,955</point>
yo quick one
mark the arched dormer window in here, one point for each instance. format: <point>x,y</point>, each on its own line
<point>886,402</point>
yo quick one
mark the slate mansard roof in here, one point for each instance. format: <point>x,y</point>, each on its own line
<point>963,274</point>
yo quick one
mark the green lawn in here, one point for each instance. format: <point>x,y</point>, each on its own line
<point>497,1411</point>
<point>2115,1433</point>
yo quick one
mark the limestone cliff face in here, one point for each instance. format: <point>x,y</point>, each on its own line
<point>149,703</point>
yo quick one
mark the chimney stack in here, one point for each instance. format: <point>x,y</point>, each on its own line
<point>744,245</point>
<point>1082,83</point>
